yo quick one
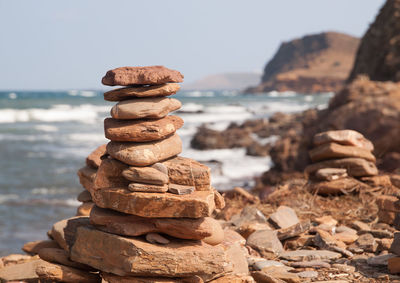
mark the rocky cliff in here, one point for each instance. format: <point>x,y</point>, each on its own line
<point>313,63</point>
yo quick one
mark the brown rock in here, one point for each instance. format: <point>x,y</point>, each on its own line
<point>330,174</point>
<point>135,257</point>
<point>60,256</point>
<point>147,188</point>
<point>248,228</point>
<point>111,278</point>
<point>109,174</point>
<point>389,203</point>
<point>20,272</point>
<point>333,150</point>
<point>84,209</point>
<point>284,217</point>
<point>131,225</point>
<point>217,235</point>
<point>386,216</point>
<point>141,130</point>
<point>266,242</point>
<point>327,220</point>
<point>345,237</point>
<point>140,108</point>
<point>196,205</point>
<point>234,245</point>
<point>293,231</point>
<point>325,240</point>
<point>188,172</point>
<point>84,196</point>
<point>13,259</point>
<point>144,154</point>
<point>344,137</point>
<point>33,248</point>
<point>218,199</point>
<point>234,279</point>
<point>94,158</point>
<point>155,238</point>
<point>395,248</point>
<point>141,91</point>
<point>336,187</point>
<point>394,265</point>
<point>56,272</point>
<point>180,189</point>
<point>147,175</point>
<point>63,232</point>
<point>87,176</point>
<point>149,75</point>
<point>367,242</point>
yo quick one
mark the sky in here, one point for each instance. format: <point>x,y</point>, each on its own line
<point>53,44</point>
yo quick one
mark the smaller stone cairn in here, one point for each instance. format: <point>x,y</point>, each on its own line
<point>339,159</point>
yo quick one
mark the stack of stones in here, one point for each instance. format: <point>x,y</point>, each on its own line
<point>149,209</point>
<point>338,158</point>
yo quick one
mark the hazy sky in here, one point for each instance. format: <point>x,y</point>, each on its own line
<point>71,44</point>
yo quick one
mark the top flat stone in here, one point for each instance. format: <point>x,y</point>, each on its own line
<point>150,75</point>
<point>336,151</point>
<point>141,91</point>
<point>344,137</point>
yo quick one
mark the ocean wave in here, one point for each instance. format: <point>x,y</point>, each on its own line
<point>197,93</point>
<point>275,93</point>
<point>191,108</point>
<point>46,128</point>
<point>83,93</point>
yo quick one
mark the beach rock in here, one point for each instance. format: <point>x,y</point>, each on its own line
<point>246,229</point>
<point>218,199</point>
<point>120,94</point>
<point>359,225</point>
<point>343,137</point>
<point>109,174</point>
<point>308,255</point>
<point>356,167</point>
<point>284,217</point>
<point>293,231</point>
<point>389,203</point>
<point>330,174</point>
<point>239,278</point>
<point>386,216</point>
<point>135,257</point>
<point>237,254</point>
<point>188,172</point>
<point>394,265</point>
<point>327,220</point>
<point>60,256</point>
<point>144,154</point>
<point>33,248</point>
<point>266,242</point>
<point>325,240</point>
<point>20,272</point>
<point>147,188</point>
<point>84,209</point>
<point>13,259</point>
<point>367,242</point>
<point>141,130</point>
<point>63,232</point>
<point>346,237</point>
<point>149,75</point>
<point>180,189</point>
<point>87,176</point>
<point>333,150</point>
<point>84,196</point>
<point>111,278</point>
<point>395,248</point>
<point>380,260</point>
<point>217,235</point>
<point>337,187</point>
<point>131,225</point>
<point>155,238</point>
<point>147,175</point>
<point>196,205</point>
<point>276,274</point>
<point>141,108</point>
<point>249,214</point>
<point>60,273</point>
<point>94,158</point>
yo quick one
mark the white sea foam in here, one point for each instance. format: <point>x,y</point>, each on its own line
<point>4,198</point>
<point>198,93</point>
<point>191,108</point>
<point>12,95</point>
<point>46,128</point>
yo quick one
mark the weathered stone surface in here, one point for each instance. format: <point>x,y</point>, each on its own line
<point>395,248</point>
<point>356,167</point>
<point>84,209</point>
<point>188,172</point>
<point>144,154</point>
<point>60,273</point>
<point>218,199</point>
<point>147,188</point>
<point>60,256</point>
<point>325,240</point>
<point>111,278</point>
<point>63,232</point>
<point>248,228</point>
<point>20,272</point>
<point>109,175</point>
<point>13,259</point>
<point>148,75</point>
<point>196,205</point>
<point>307,255</point>
<point>266,242</point>
<point>367,242</point>
<point>155,238</point>
<point>84,196</point>
<point>327,220</point>
<point>239,278</point>
<point>147,175</point>
<point>94,158</point>
<point>380,260</point>
<point>33,248</point>
<point>386,216</point>
<point>293,231</point>
<point>359,225</point>
<point>249,214</point>
<point>394,265</point>
<point>275,274</point>
<point>284,217</point>
<point>344,137</point>
<point>337,187</point>
<point>387,202</point>
<point>120,94</point>
<point>87,176</point>
<point>141,130</point>
<point>234,246</point>
<point>334,150</point>
<point>136,257</point>
<point>330,174</point>
<point>131,225</point>
<point>180,189</point>
<point>141,108</point>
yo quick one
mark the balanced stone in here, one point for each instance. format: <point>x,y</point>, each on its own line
<point>33,248</point>
<point>340,186</point>
<point>63,232</point>
<point>147,175</point>
<point>180,189</point>
<point>141,130</point>
<point>60,256</point>
<point>144,154</point>
<point>131,225</point>
<point>111,278</point>
<point>141,91</point>
<point>140,108</point>
<point>196,205</point>
<point>334,150</point>
<point>109,174</point>
<point>150,75</point>
<point>155,238</point>
<point>330,174</point>
<point>136,257</point>
<point>87,177</point>
<point>344,137</point>
<point>84,196</point>
<point>147,188</point>
<point>94,158</point>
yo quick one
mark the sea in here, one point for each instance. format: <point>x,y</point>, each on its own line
<point>45,137</point>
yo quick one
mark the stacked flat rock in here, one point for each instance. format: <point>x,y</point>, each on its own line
<point>339,157</point>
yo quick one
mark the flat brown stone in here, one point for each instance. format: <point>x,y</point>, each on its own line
<point>330,174</point>
<point>356,167</point>
<point>388,202</point>
<point>337,187</point>
<point>149,75</point>
<point>147,188</point>
<point>20,272</point>
<point>196,205</point>
<point>63,232</point>
<point>50,271</point>
<point>33,248</point>
<point>180,189</point>
<point>87,176</point>
<point>334,150</point>
<point>60,256</point>
<point>131,225</point>
<point>141,130</point>
<point>141,91</point>
<point>147,175</point>
<point>141,108</point>
<point>344,137</point>
<point>144,154</point>
<point>94,158</point>
<point>84,209</point>
<point>111,278</point>
<point>136,257</point>
<point>84,196</point>
<point>109,174</point>
<point>188,172</point>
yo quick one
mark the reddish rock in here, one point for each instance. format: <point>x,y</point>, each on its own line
<point>141,91</point>
<point>337,187</point>
<point>180,189</point>
<point>33,248</point>
<point>333,151</point>
<point>110,278</point>
<point>60,256</point>
<point>87,177</point>
<point>344,137</point>
<point>20,272</point>
<point>109,174</point>
<point>84,196</point>
<point>141,130</point>
<point>64,231</point>
<point>148,175</point>
<point>147,188</point>
<point>94,158</point>
<point>149,75</point>
<point>330,174</point>
<point>84,209</point>
<point>387,202</point>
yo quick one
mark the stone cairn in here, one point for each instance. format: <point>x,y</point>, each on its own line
<point>146,211</point>
<point>339,159</point>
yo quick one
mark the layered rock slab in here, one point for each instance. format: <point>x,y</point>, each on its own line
<point>141,91</point>
<point>344,137</point>
<point>196,205</point>
<point>148,175</point>
<point>333,150</point>
<point>135,257</point>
